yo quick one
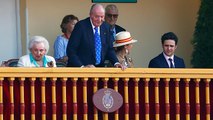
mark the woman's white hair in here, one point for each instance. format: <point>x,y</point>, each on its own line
<point>38,39</point>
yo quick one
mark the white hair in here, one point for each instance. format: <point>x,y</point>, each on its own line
<point>96,5</point>
<point>38,39</point>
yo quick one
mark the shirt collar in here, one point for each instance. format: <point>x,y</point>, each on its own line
<point>93,27</point>
<point>167,57</point>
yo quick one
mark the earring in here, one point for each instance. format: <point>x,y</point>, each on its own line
<point>127,51</point>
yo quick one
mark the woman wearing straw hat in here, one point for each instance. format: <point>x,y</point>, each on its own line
<point>123,45</point>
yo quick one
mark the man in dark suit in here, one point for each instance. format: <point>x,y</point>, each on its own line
<point>111,17</point>
<point>83,49</point>
<point>167,59</point>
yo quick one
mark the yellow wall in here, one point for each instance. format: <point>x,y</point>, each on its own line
<point>23,24</point>
<point>147,20</point>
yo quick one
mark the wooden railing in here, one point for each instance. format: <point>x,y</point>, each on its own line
<point>66,93</point>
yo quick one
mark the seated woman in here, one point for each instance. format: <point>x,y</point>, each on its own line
<point>60,45</point>
<point>38,47</point>
<point>123,45</point>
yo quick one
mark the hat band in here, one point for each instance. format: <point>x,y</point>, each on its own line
<point>124,40</point>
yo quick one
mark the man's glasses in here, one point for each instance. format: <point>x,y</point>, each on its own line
<point>112,15</point>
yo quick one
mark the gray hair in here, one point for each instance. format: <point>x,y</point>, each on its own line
<point>111,7</point>
<point>38,39</point>
<point>96,5</point>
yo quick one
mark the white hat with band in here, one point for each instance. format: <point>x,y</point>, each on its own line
<point>123,38</point>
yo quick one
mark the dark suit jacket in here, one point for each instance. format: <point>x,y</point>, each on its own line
<point>119,29</point>
<point>160,62</point>
<point>81,45</point>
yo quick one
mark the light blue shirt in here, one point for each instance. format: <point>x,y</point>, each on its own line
<point>60,47</point>
<point>114,33</point>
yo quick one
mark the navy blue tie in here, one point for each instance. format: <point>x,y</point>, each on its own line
<point>97,46</point>
<point>171,64</point>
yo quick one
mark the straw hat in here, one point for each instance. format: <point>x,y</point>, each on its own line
<point>123,38</point>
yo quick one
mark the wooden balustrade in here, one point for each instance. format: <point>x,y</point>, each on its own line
<point>66,93</point>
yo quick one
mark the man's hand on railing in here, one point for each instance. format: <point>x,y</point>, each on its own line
<point>88,66</point>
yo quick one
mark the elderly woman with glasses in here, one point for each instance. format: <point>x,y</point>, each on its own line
<point>38,47</point>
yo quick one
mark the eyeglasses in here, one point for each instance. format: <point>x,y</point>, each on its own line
<point>112,15</point>
<point>38,50</point>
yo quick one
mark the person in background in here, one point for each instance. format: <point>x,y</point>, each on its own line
<point>123,45</point>
<point>111,17</point>
<point>60,45</point>
<point>167,59</point>
<point>90,42</point>
<point>38,47</point>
